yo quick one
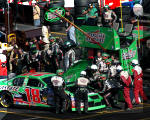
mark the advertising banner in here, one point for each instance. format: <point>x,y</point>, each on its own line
<point>128,54</point>
<point>106,37</point>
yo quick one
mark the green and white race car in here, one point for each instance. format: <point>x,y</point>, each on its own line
<point>35,89</point>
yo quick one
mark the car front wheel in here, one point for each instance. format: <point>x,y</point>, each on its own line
<point>5,100</point>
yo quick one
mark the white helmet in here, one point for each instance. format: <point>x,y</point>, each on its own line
<point>94,67</point>
<point>119,68</point>
<point>83,73</point>
<point>135,62</point>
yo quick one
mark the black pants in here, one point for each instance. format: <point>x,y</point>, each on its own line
<point>81,94</point>
<point>60,98</point>
<point>91,21</point>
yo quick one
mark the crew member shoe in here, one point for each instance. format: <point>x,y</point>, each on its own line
<point>109,108</point>
<point>85,112</point>
<point>79,112</point>
<point>62,111</point>
<point>57,111</point>
<point>128,109</point>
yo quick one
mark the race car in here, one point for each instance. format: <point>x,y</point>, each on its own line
<point>35,89</point>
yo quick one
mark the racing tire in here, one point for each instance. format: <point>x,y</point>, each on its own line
<point>81,3</point>
<point>125,10</point>
<point>79,11</point>
<point>56,4</point>
<point>93,1</point>
<point>56,28</point>
<point>146,6</point>
<point>6,100</point>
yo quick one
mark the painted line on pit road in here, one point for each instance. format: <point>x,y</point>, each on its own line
<point>27,115</point>
<point>58,33</point>
<point>145,118</point>
<point>84,117</point>
<point>106,112</point>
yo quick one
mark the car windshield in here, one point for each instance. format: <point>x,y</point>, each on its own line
<point>47,80</point>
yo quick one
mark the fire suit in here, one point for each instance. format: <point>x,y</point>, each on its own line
<point>138,84</point>
<point>81,93</point>
<point>126,80</point>
<point>3,70</point>
<point>69,58</point>
<point>59,93</point>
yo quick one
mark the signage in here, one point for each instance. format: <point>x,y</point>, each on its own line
<point>129,55</point>
<point>97,36</point>
<point>53,14</point>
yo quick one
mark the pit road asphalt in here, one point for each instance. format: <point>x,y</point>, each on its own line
<point>140,112</point>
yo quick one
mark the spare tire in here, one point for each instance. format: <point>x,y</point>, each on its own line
<point>56,4</point>
<point>57,1</point>
<point>56,28</point>
<point>125,10</point>
<point>80,3</point>
<point>93,1</point>
<point>79,11</point>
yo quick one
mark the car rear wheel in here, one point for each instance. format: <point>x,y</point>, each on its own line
<point>6,100</point>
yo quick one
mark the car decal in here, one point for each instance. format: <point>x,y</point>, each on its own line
<point>9,88</point>
<point>42,74</point>
<point>33,95</point>
<point>36,74</point>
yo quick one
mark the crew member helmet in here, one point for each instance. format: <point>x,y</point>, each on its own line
<point>134,62</point>
<point>119,69</point>
<point>59,72</point>
<point>94,67</point>
<point>106,7</point>
<point>83,73</point>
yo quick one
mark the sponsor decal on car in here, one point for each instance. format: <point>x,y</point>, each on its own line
<point>10,88</point>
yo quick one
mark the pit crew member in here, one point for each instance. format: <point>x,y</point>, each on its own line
<point>126,82</point>
<point>138,81</point>
<point>81,93</point>
<point>59,93</point>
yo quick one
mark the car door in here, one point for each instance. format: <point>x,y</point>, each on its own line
<point>16,87</point>
<point>33,89</point>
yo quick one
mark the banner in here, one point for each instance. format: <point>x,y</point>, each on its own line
<point>116,3</point>
<point>106,37</point>
<point>128,54</point>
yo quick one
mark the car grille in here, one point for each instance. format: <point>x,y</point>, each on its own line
<point>98,103</point>
<point>94,97</point>
<point>91,104</point>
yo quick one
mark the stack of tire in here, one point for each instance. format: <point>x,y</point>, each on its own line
<point>95,2</point>
<point>126,13</point>
<point>57,25</point>
<point>146,6</point>
<point>81,5</point>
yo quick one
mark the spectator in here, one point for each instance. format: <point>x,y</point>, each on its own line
<point>36,15</point>
<point>91,15</point>
<point>108,17</point>
<point>70,29</point>
<point>98,58</point>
